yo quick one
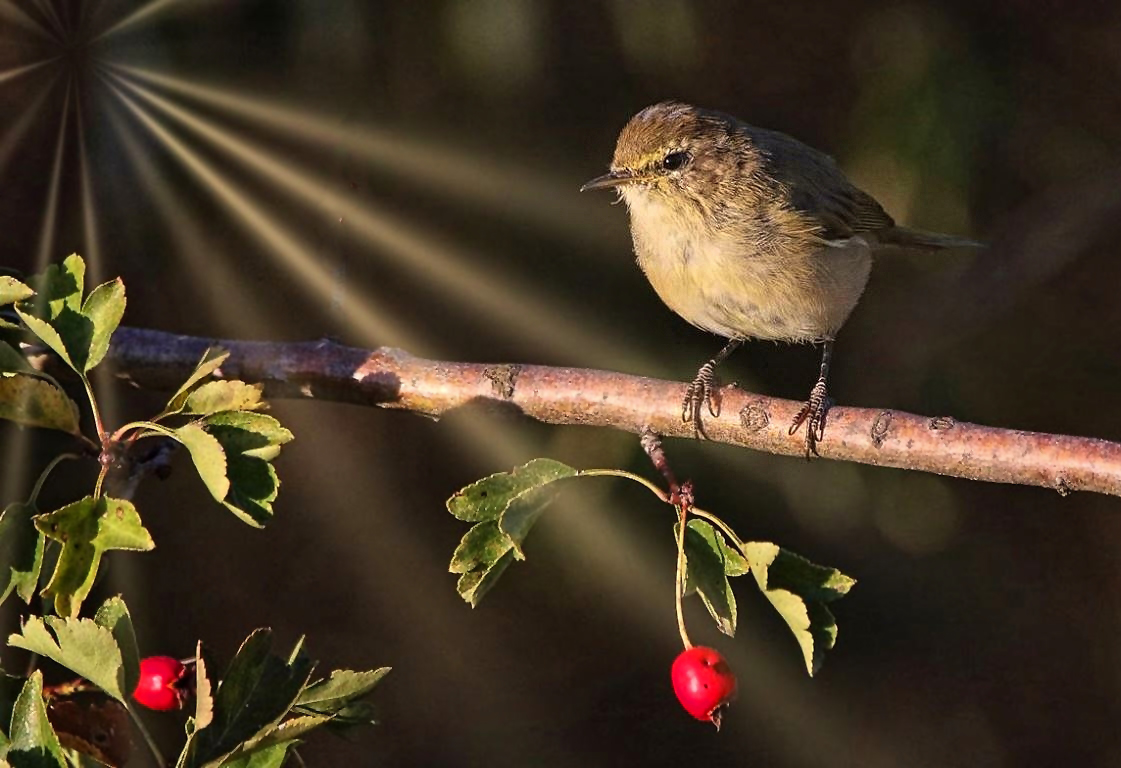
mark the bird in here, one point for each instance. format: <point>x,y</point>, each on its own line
<point>748,233</point>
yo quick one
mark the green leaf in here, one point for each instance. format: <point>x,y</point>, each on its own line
<point>269,757</point>
<point>706,571</point>
<point>204,698</point>
<point>21,551</point>
<point>49,335</point>
<point>12,290</point>
<point>250,442</point>
<point>113,615</point>
<point>33,743</point>
<point>256,692</point>
<point>217,396</point>
<point>488,498</point>
<point>32,401</point>
<point>212,358</point>
<point>330,696</point>
<point>104,308</point>
<point>798,590</point>
<point>482,555</point>
<point>208,456</point>
<point>59,287</point>
<point>81,645</point>
<point>338,698</point>
<point>86,529</point>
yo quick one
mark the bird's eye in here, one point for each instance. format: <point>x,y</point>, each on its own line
<point>676,160</point>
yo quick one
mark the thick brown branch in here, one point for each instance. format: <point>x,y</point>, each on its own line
<point>391,378</point>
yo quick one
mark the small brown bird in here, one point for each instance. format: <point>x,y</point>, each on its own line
<point>749,234</point>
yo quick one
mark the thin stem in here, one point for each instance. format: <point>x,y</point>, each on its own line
<point>155,750</point>
<point>98,426</point>
<point>628,476</point>
<point>152,427</point>
<point>43,475</point>
<point>679,581</point>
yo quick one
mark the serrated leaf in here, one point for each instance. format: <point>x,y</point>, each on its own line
<point>87,528</point>
<point>482,546</point>
<point>706,568</point>
<point>48,335</point>
<point>270,757</point>
<point>474,585</point>
<point>208,456</point>
<point>204,698</point>
<point>211,360</point>
<point>81,645</point>
<point>338,697</point>
<point>33,742</point>
<point>256,692</point>
<point>250,441</point>
<point>798,590</point>
<point>104,308</point>
<point>21,551</point>
<point>522,512</point>
<point>326,697</point>
<point>12,290</point>
<point>114,616</point>
<point>217,396</point>
<point>59,286</point>
<point>487,499</point>
<point>33,401</point>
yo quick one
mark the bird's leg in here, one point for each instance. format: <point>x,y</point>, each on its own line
<point>703,388</point>
<point>816,407</point>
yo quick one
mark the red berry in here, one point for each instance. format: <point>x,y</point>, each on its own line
<point>158,688</point>
<point>704,683</point>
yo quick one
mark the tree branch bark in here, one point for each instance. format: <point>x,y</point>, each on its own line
<point>392,378</point>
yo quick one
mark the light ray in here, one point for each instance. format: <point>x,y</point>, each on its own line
<point>11,140</point>
<point>50,214</point>
<point>52,18</point>
<point>12,74</point>
<point>272,234</point>
<point>224,292</point>
<point>524,195</point>
<point>108,402</point>
<point>17,449</point>
<point>515,305</point>
<point>9,11</point>
<point>146,13</point>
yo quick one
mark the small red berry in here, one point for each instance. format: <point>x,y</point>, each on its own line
<point>704,683</point>
<point>158,688</point>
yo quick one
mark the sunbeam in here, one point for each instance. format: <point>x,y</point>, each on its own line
<point>45,251</point>
<point>518,306</point>
<point>9,11</point>
<point>11,139</point>
<point>12,74</point>
<point>274,235</point>
<point>533,196</point>
<point>226,298</point>
<point>149,11</point>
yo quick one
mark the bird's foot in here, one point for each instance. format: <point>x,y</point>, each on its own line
<point>701,392</point>
<point>813,415</point>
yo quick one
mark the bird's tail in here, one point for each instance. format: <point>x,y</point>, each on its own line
<point>917,238</point>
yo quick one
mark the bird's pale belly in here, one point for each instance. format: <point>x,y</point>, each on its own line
<point>800,296</point>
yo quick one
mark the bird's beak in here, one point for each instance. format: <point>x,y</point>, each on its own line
<point>609,180</point>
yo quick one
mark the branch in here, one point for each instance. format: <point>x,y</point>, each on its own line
<point>391,378</point>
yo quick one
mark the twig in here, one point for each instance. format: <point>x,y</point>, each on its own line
<point>392,378</point>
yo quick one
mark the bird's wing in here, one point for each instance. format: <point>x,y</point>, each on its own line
<point>815,187</point>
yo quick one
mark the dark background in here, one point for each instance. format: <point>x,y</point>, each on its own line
<point>984,628</point>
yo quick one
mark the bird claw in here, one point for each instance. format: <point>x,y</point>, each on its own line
<point>813,415</point>
<point>702,390</point>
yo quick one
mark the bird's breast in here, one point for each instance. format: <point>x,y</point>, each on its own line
<point>792,290</point>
